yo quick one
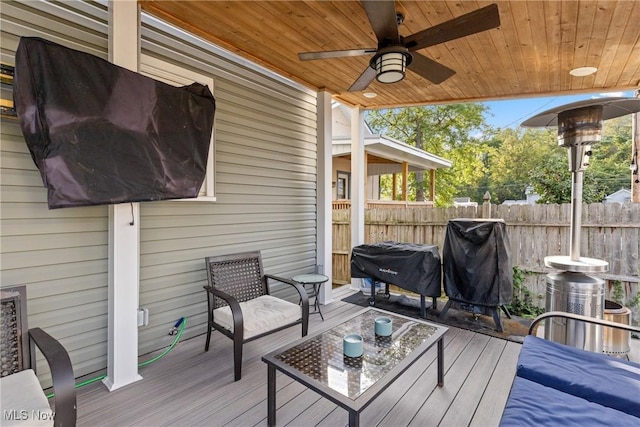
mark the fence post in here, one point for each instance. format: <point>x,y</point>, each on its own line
<point>486,205</point>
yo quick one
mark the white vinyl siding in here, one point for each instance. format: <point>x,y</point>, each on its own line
<point>265,189</point>
<point>61,254</point>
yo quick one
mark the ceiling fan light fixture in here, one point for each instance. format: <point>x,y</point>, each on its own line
<point>390,66</point>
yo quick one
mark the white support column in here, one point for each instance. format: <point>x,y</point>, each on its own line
<point>358,180</point>
<point>124,226</point>
<point>324,213</point>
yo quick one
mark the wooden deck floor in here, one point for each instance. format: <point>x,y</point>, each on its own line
<point>189,387</point>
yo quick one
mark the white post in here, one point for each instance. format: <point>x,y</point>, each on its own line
<point>124,226</point>
<point>635,148</point>
<point>358,180</point>
<point>324,226</point>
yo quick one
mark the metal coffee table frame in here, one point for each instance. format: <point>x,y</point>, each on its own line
<point>353,405</point>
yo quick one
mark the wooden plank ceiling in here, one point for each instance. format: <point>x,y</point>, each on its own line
<point>529,54</point>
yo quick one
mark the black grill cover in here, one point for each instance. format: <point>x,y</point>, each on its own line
<point>102,134</point>
<point>477,262</point>
<point>410,266</point>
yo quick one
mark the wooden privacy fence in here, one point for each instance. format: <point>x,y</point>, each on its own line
<point>609,231</point>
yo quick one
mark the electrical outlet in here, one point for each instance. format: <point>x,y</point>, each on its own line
<point>143,316</point>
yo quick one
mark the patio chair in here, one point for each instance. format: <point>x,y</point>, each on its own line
<point>239,304</point>
<point>23,400</point>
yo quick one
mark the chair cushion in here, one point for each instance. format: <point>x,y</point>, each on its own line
<point>260,315</point>
<point>532,404</point>
<point>23,401</point>
<point>601,379</point>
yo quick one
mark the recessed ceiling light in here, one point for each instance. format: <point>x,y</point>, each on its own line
<point>583,71</point>
<point>369,94</point>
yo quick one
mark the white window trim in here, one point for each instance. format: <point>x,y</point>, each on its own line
<point>178,76</point>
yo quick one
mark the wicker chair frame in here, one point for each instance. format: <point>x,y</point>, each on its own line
<point>238,278</point>
<point>19,350</point>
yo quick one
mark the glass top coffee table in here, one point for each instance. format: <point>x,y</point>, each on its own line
<point>353,383</point>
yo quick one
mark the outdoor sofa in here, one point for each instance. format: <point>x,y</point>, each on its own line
<point>556,384</point>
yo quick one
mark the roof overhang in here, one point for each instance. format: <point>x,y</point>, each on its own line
<point>387,155</point>
<point>529,55</point>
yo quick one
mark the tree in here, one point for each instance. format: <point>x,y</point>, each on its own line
<point>514,154</point>
<point>454,132</point>
<point>608,169</point>
<point>612,156</point>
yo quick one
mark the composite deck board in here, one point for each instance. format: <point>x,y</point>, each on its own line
<point>413,398</point>
<point>475,384</point>
<point>409,392</point>
<point>190,387</point>
<point>495,396</point>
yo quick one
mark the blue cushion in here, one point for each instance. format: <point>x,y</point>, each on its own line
<point>598,378</point>
<point>532,404</point>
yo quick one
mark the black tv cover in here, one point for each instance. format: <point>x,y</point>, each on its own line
<point>102,134</point>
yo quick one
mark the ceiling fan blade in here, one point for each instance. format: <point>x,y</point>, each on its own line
<point>364,80</point>
<point>430,69</point>
<point>308,56</point>
<point>477,21</point>
<point>382,17</point>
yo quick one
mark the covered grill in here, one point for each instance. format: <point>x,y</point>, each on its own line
<point>477,267</point>
<point>415,267</point>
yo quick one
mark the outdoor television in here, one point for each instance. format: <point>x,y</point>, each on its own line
<point>101,134</point>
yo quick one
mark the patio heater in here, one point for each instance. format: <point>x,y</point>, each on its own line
<point>571,289</point>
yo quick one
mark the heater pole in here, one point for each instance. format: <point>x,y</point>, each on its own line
<point>576,214</point>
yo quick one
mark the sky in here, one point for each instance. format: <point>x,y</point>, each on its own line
<point>510,113</point>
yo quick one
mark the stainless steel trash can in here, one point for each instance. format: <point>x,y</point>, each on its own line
<point>576,293</point>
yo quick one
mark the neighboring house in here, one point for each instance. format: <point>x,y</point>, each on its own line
<point>464,201</point>
<point>621,196</point>
<point>532,198</point>
<point>384,156</point>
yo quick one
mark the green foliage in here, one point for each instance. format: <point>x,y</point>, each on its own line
<point>617,293</point>
<point>552,181</point>
<point>522,303</point>
<point>502,161</point>
<point>514,153</point>
<point>608,169</point>
<point>453,132</point>
<point>635,301</point>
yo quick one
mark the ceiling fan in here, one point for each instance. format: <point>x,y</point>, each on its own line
<point>395,53</point>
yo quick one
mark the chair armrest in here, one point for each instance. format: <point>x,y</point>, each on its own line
<point>64,383</point>
<point>236,311</point>
<point>303,293</point>
<point>580,317</point>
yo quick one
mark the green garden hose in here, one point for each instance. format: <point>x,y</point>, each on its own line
<point>179,327</point>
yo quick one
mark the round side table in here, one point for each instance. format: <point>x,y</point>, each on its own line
<point>316,281</point>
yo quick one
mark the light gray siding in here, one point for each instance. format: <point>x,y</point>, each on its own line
<point>265,188</point>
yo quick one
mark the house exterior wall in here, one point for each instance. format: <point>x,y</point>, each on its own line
<point>343,164</point>
<point>620,196</point>
<point>265,189</point>
<point>339,164</point>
